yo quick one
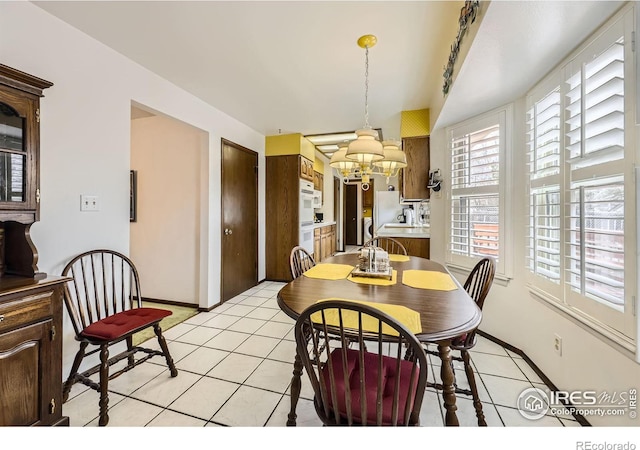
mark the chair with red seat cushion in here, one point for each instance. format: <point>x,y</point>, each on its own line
<point>104,303</point>
<point>477,285</point>
<point>365,385</point>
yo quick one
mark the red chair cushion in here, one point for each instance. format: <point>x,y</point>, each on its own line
<point>371,376</point>
<point>122,323</point>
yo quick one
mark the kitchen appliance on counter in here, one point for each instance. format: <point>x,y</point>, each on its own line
<point>409,216</point>
<point>317,199</point>
<point>319,217</point>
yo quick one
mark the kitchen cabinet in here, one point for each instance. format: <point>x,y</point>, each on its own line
<point>31,351</point>
<point>317,247</point>
<point>318,181</point>
<point>416,246</point>
<point>414,178</point>
<point>306,168</point>
<point>324,242</point>
<point>367,197</point>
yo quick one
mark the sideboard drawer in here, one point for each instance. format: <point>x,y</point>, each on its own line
<point>25,310</point>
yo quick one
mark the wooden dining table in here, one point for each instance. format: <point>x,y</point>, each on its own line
<point>444,314</point>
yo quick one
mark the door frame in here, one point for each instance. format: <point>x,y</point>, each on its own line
<point>224,142</point>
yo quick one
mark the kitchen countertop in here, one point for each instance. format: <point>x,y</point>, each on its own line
<point>403,230</point>
<point>322,224</point>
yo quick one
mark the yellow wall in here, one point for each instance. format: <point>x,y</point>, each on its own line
<point>282,144</point>
<point>318,165</point>
<point>307,149</point>
<point>289,144</point>
<point>414,123</point>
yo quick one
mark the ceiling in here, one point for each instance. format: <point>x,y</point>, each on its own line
<point>295,66</point>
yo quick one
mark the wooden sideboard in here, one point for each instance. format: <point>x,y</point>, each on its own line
<point>31,351</point>
<point>30,301</point>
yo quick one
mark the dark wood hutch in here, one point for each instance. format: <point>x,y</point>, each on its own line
<point>30,301</point>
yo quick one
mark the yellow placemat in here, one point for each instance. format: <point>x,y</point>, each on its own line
<point>406,316</point>
<point>376,281</point>
<point>429,279</point>
<point>327,271</point>
<point>398,258</point>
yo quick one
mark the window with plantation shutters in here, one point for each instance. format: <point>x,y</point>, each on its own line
<point>580,155</point>
<point>476,218</point>
<point>543,151</point>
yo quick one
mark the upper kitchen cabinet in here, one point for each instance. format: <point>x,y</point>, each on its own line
<point>318,174</point>
<point>414,130</point>
<point>306,168</point>
<point>318,181</point>
<point>415,177</point>
<point>19,169</point>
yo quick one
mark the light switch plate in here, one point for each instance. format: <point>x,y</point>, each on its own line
<point>89,203</point>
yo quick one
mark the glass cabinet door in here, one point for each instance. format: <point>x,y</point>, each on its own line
<point>13,155</point>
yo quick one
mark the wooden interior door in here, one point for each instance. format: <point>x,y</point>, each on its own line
<point>351,214</point>
<point>239,219</point>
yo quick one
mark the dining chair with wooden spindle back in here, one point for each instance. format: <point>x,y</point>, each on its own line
<point>300,261</point>
<point>388,244</point>
<point>477,285</point>
<point>354,384</point>
<point>104,302</point>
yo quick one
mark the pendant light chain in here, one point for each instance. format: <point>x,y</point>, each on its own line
<point>366,88</point>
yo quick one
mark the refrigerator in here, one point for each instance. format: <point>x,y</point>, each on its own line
<point>386,208</point>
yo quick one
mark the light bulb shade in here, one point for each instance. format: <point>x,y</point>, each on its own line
<point>340,162</point>
<point>394,159</point>
<point>366,148</point>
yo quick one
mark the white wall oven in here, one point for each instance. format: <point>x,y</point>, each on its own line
<point>306,215</point>
<point>306,203</point>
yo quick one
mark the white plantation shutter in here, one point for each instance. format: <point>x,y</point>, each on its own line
<point>544,233</point>
<point>476,216</point>
<point>543,123</point>
<point>595,143</point>
<point>543,152</point>
<point>596,241</point>
<point>581,153</point>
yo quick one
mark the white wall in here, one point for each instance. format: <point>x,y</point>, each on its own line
<point>513,315</point>
<point>85,143</point>
<point>165,239</point>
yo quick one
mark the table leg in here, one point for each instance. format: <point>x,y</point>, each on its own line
<point>449,391</point>
<point>296,386</point>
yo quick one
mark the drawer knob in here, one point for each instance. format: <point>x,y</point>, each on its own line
<point>1,317</point>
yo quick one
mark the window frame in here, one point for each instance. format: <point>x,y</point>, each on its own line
<point>619,327</point>
<point>503,116</point>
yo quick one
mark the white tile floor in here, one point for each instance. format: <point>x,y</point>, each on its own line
<point>235,365</point>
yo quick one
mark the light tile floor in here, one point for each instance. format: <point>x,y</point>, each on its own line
<point>235,365</point>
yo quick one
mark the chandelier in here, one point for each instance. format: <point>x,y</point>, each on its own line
<point>366,155</point>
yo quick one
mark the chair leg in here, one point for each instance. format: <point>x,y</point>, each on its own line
<point>165,350</point>
<point>474,388</point>
<point>131,359</point>
<point>104,385</point>
<point>74,371</point>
